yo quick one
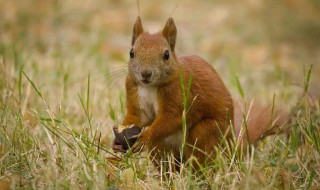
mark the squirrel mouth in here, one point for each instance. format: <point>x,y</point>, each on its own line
<point>145,81</point>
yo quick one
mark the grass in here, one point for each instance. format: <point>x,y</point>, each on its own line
<point>62,70</point>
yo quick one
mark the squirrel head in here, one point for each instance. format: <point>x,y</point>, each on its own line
<point>152,57</point>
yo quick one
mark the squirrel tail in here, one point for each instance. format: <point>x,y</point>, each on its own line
<point>256,122</point>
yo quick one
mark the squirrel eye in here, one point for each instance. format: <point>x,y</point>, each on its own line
<point>131,53</point>
<point>166,55</point>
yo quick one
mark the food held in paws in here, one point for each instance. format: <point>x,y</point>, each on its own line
<point>126,136</point>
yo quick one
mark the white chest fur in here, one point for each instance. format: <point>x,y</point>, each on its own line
<point>148,102</point>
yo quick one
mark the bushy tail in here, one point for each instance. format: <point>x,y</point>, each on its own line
<point>257,122</point>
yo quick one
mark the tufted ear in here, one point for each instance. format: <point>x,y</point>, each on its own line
<point>137,30</point>
<point>170,33</point>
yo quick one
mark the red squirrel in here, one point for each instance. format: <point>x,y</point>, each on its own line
<point>154,99</point>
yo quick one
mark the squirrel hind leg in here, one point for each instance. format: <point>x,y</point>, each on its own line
<point>202,139</point>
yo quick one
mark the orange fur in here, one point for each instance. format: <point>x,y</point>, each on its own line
<point>260,121</point>
<point>156,101</point>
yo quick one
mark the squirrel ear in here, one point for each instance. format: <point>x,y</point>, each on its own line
<point>137,30</point>
<point>170,33</point>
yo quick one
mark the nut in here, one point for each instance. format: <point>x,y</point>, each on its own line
<point>124,136</point>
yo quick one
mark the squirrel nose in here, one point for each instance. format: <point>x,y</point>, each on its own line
<point>146,73</point>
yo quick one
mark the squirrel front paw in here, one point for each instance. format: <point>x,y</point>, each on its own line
<point>143,140</point>
<point>125,137</point>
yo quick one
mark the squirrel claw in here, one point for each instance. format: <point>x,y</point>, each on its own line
<point>135,136</point>
<point>137,147</point>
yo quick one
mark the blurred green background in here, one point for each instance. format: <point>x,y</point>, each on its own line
<point>284,33</point>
